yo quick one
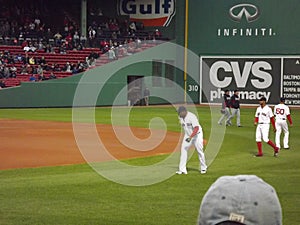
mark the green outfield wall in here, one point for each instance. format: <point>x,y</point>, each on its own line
<point>252,46</point>
<point>236,29</point>
<point>108,82</point>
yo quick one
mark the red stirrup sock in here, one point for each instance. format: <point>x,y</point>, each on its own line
<point>272,144</point>
<point>259,147</point>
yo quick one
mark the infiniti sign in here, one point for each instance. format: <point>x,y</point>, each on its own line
<point>248,13</point>
<point>251,12</point>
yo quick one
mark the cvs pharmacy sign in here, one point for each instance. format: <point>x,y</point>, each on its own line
<point>149,12</point>
<point>253,76</point>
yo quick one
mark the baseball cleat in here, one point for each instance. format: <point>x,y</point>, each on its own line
<point>275,154</point>
<point>180,172</point>
<point>258,155</point>
<point>287,148</point>
<point>203,171</point>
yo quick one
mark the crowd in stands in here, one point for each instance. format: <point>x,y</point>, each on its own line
<point>22,24</point>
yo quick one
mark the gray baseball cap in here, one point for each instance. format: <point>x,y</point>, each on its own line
<point>246,199</point>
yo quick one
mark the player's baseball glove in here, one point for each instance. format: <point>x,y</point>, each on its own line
<point>188,139</point>
<point>222,111</point>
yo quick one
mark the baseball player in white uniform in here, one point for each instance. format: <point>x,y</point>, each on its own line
<point>263,116</point>
<point>193,136</point>
<point>282,113</point>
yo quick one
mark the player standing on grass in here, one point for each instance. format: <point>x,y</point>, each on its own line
<point>225,107</point>
<point>282,113</point>
<point>235,109</point>
<point>193,136</point>
<point>263,117</point>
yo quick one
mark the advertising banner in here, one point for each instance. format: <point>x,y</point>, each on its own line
<point>291,80</point>
<point>254,76</point>
<point>149,12</point>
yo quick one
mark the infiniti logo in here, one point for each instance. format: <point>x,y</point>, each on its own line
<point>251,12</point>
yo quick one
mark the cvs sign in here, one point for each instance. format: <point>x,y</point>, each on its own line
<point>149,12</point>
<point>253,76</point>
<point>262,78</point>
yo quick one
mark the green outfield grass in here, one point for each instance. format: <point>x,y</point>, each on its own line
<point>78,195</point>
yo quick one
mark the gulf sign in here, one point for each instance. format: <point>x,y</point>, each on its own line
<point>149,12</point>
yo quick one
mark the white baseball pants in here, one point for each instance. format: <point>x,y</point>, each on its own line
<point>197,141</point>
<point>262,132</point>
<point>281,125</point>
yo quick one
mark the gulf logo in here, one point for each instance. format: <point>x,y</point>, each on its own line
<point>149,12</point>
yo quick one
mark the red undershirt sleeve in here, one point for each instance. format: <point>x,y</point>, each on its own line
<point>273,121</point>
<point>256,120</point>
<point>195,131</point>
<point>290,119</point>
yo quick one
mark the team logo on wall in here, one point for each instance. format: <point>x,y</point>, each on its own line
<point>149,12</point>
<point>248,11</point>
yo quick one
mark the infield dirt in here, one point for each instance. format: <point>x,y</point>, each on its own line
<point>26,144</point>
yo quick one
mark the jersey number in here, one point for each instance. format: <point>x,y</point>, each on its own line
<point>279,111</point>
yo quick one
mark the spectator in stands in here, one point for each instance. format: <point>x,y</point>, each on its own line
<point>48,34</point>
<point>13,71</point>
<point>31,26</point>
<point>6,71</point>
<point>2,84</point>
<point>157,33</point>
<point>112,54</point>
<point>83,40</point>
<point>56,67</point>
<point>57,37</point>
<point>47,48</point>
<point>1,71</point>
<point>63,48</point>
<point>29,48</point>
<point>32,78</point>
<point>26,59</point>
<point>76,38</point>
<point>67,67</point>
<point>23,70</point>
<point>131,46</point>
<point>10,59</point>
<point>114,35</point>
<point>41,77</point>
<point>138,42</point>
<point>69,41</point>
<point>94,54</point>
<point>19,58</point>
<point>39,70</point>
<point>52,76</point>
<point>41,45</point>
<point>92,36</point>
<point>99,31</point>
<point>103,45</point>
<point>32,60</point>
<point>91,61</point>
<point>78,47</point>
<point>132,28</point>
<point>37,22</point>
<point>42,61</point>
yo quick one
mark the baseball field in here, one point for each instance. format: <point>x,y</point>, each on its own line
<point>44,179</point>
